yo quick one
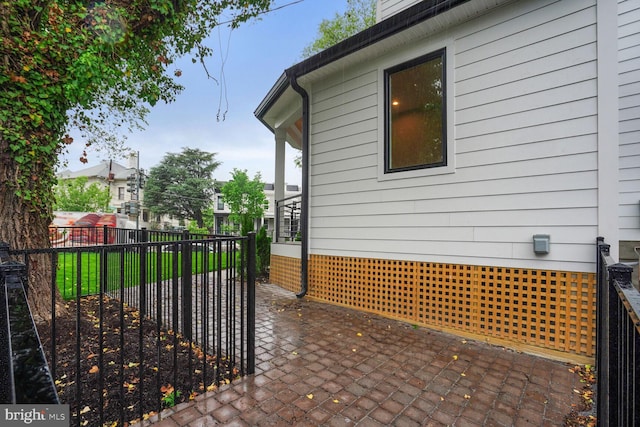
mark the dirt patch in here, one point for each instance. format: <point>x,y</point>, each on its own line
<point>279,306</point>
<point>583,414</point>
<point>140,370</point>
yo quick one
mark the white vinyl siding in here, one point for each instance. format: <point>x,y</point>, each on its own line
<point>629,118</point>
<point>386,8</point>
<point>524,119</point>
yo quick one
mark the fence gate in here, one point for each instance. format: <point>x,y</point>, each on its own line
<point>618,343</point>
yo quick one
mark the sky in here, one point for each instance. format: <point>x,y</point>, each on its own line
<point>254,56</point>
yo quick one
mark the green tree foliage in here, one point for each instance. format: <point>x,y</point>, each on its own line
<point>246,199</point>
<point>208,220</point>
<point>94,65</point>
<point>90,64</point>
<point>182,185</point>
<point>360,14</point>
<point>75,195</point>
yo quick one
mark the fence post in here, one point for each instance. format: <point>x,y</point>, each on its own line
<point>187,296</point>
<point>618,342</point>
<point>251,304</point>
<point>4,252</point>
<point>602,333</point>
<point>620,273</point>
<point>144,238</point>
<point>7,388</point>
<point>278,219</point>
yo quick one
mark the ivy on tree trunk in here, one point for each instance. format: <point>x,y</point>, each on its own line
<point>89,65</point>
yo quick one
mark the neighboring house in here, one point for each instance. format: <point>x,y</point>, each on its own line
<point>114,176</point>
<point>460,158</point>
<point>221,211</point>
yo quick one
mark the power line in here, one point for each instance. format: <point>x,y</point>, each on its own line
<point>267,11</point>
<point>223,93</point>
<point>224,54</point>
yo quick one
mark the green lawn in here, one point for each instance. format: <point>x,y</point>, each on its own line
<point>123,269</point>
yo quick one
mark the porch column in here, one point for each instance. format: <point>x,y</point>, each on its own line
<point>281,135</point>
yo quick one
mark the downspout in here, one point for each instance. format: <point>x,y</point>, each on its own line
<point>304,213</point>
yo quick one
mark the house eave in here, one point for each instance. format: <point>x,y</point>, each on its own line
<point>421,13</point>
<point>271,98</point>
<point>382,30</point>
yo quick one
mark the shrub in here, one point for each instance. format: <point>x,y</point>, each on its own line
<point>263,251</point>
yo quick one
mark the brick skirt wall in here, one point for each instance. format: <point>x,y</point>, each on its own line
<point>540,311</point>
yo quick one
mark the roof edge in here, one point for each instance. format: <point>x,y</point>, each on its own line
<point>272,96</point>
<point>392,25</point>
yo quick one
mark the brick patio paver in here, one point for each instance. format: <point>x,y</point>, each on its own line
<point>323,365</point>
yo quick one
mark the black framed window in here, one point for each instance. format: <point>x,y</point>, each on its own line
<point>415,114</point>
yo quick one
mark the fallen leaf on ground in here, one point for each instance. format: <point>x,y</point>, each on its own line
<point>148,415</point>
<point>167,389</point>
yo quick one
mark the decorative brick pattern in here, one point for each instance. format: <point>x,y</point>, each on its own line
<point>552,310</point>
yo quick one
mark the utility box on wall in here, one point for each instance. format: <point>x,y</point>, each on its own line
<point>541,244</point>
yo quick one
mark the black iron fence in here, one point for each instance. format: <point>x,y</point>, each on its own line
<point>618,343</point>
<point>24,374</point>
<point>138,327</point>
<point>72,236</point>
<point>288,219</point>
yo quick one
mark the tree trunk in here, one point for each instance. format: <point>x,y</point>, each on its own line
<point>199,219</point>
<point>25,226</point>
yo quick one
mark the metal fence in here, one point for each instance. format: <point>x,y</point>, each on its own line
<point>138,327</point>
<point>73,236</point>
<point>618,345</point>
<point>288,219</point>
<point>24,374</point>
